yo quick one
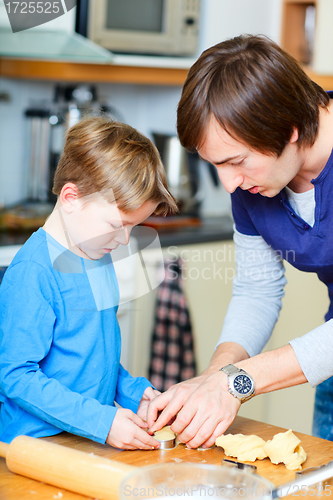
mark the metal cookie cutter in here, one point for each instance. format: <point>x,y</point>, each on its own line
<point>167,444</point>
<point>239,465</point>
<point>319,486</point>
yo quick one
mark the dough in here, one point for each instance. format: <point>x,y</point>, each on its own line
<point>244,448</point>
<point>285,447</point>
<point>164,434</point>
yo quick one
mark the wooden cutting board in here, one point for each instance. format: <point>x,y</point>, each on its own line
<point>319,451</point>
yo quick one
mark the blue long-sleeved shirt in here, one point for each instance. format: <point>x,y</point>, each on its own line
<point>60,345</point>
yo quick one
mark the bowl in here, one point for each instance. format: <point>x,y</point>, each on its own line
<point>168,480</point>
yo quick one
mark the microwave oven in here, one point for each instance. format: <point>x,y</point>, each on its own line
<point>153,27</point>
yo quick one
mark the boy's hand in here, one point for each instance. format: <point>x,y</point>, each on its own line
<point>147,397</point>
<point>127,432</point>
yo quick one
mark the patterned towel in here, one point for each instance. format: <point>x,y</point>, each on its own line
<point>172,349</point>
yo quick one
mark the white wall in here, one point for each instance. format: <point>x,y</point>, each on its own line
<point>222,19</point>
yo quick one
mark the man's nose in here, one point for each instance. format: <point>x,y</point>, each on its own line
<point>230,180</point>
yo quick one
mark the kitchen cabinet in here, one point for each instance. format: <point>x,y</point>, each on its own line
<point>307,35</point>
<point>295,37</point>
<point>208,271</point>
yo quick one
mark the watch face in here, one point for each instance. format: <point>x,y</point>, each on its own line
<point>242,384</point>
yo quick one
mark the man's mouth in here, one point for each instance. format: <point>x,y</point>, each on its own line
<point>254,190</point>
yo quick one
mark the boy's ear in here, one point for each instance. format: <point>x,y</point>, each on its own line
<point>69,197</point>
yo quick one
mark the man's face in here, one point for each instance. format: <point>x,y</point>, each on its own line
<point>239,166</point>
<point>97,227</point>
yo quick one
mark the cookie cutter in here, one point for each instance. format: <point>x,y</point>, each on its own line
<point>166,444</point>
<point>320,486</point>
<point>239,465</point>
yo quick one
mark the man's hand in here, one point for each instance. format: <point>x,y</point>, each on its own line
<point>204,408</point>
<point>149,395</point>
<point>171,402</point>
<point>127,432</point>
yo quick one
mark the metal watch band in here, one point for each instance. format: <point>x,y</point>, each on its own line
<point>230,369</point>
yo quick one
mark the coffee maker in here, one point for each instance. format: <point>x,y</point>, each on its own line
<point>48,124</point>
<point>182,171</point>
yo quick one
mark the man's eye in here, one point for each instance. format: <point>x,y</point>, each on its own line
<point>114,226</point>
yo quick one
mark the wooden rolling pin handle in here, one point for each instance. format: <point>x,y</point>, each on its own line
<point>73,470</point>
<point>4,447</point>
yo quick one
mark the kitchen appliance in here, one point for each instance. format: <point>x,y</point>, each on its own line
<point>182,169</point>
<point>163,27</point>
<point>39,177</point>
<point>70,104</point>
<point>48,123</point>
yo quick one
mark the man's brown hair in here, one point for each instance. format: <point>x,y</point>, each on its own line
<point>117,161</point>
<point>257,92</point>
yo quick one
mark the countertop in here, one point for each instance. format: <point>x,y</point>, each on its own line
<point>319,452</point>
<point>210,229</point>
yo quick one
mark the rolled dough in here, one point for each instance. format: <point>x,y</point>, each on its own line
<point>164,434</point>
<point>285,447</point>
<point>244,448</point>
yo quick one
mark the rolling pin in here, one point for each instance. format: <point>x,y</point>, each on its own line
<point>73,470</point>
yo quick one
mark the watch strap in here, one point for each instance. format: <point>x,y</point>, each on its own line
<point>230,369</point>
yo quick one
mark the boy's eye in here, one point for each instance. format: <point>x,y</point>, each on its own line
<point>114,226</point>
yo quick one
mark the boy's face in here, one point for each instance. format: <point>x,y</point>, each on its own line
<point>97,227</point>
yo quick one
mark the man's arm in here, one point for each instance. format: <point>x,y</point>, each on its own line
<point>210,408</point>
<point>251,316</point>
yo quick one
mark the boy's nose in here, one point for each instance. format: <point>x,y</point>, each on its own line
<point>230,180</point>
<point>123,235</point>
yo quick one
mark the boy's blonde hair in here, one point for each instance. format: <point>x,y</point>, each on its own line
<point>115,160</point>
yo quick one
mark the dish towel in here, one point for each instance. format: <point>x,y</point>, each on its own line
<point>172,348</point>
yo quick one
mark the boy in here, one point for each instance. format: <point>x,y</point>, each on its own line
<point>59,336</point>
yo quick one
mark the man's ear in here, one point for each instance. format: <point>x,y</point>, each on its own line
<point>69,197</point>
<point>294,136</point>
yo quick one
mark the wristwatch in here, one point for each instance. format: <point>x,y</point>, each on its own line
<point>241,384</point>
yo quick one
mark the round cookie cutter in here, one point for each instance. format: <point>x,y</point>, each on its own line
<point>166,444</point>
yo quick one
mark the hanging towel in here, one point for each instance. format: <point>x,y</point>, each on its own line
<point>172,348</point>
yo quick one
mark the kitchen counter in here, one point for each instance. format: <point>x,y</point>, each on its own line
<point>210,229</point>
<point>319,451</point>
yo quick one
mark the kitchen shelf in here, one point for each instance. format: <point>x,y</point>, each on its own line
<point>86,72</point>
<point>109,73</point>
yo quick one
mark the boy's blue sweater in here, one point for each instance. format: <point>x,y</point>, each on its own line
<point>60,345</point>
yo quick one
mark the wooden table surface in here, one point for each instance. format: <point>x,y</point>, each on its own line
<point>319,452</point>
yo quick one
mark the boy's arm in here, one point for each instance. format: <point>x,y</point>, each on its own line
<point>130,389</point>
